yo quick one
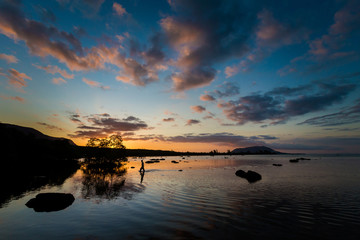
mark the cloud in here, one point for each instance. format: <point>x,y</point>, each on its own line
<point>336,47</point>
<point>95,84</point>
<point>42,40</point>
<point>281,104</point>
<point>271,32</point>
<point>192,121</point>
<point>49,126</point>
<point>58,81</point>
<point>322,144</point>
<point>17,79</point>
<point>8,58</point>
<point>15,98</point>
<point>227,89</point>
<point>55,69</point>
<point>198,108</point>
<point>119,10</point>
<point>89,8</point>
<point>46,14</point>
<point>348,115</point>
<point>225,138</point>
<point>207,97</point>
<point>103,125</point>
<point>202,35</point>
<point>168,120</point>
<point>270,35</point>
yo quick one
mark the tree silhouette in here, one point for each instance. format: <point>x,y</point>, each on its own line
<point>114,141</point>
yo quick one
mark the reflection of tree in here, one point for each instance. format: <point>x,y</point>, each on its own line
<point>103,178</point>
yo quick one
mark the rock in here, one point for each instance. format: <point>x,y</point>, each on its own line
<point>133,167</point>
<point>294,160</point>
<point>240,173</point>
<point>180,170</point>
<point>174,161</point>
<point>149,161</point>
<point>251,176</point>
<point>50,202</point>
<point>277,164</point>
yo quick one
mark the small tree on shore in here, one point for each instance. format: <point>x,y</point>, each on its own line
<point>114,141</point>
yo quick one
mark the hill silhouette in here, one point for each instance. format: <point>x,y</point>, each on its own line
<point>255,150</point>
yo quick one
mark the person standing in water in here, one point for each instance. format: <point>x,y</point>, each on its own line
<point>142,169</point>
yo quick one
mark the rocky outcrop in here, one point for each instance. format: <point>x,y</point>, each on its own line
<point>50,202</point>
<point>251,176</point>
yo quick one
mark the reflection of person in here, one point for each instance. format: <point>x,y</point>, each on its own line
<point>142,173</point>
<point>142,169</point>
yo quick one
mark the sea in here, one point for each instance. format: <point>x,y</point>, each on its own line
<point>194,197</point>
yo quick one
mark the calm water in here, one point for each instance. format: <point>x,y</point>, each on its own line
<point>317,199</point>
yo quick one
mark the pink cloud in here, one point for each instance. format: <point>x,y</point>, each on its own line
<point>207,97</point>
<point>95,84</point>
<point>15,98</point>
<point>17,79</point>
<point>55,69</point>
<point>8,58</point>
<point>58,81</point>
<point>198,108</point>
<point>192,122</point>
<point>119,9</point>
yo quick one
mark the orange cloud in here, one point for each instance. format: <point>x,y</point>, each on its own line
<point>15,98</point>
<point>198,108</point>
<point>55,69</point>
<point>58,81</point>
<point>8,58</point>
<point>17,79</point>
<point>207,97</point>
<point>95,84</point>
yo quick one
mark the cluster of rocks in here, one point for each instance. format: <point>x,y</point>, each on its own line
<point>251,176</point>
<point>298,159</point>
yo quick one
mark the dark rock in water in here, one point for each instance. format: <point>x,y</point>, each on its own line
<point>149,161</point>
<point>132,167</point>
<point>277,164</point>
<point>294,160</point>
<point>174,161</point>
<point>50,202</point>
<point>180,170</point>
<point>251,176</point>
<point>240,173</point>
<point>303,158</point>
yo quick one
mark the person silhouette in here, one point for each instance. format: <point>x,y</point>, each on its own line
<point>142,169</point>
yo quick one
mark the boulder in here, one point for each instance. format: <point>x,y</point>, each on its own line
<point>50,202</point>
<point>251,176</point>
<point>294,160</point>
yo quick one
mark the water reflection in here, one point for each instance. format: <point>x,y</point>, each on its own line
<point>20,176</point>
<point>142,174</point>
<point>105,179</point>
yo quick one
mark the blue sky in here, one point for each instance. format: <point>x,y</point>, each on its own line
<point>185,75</point>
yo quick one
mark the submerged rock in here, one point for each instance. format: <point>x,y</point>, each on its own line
<point>294,160</point>
<point>173,161</point>
<point>277,164</point>
<point>50,202</point>
<point>251,176</point>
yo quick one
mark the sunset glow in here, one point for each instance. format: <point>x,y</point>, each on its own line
<point>185,75</point>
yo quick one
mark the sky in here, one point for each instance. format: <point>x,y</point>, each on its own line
<point>185,75</point>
